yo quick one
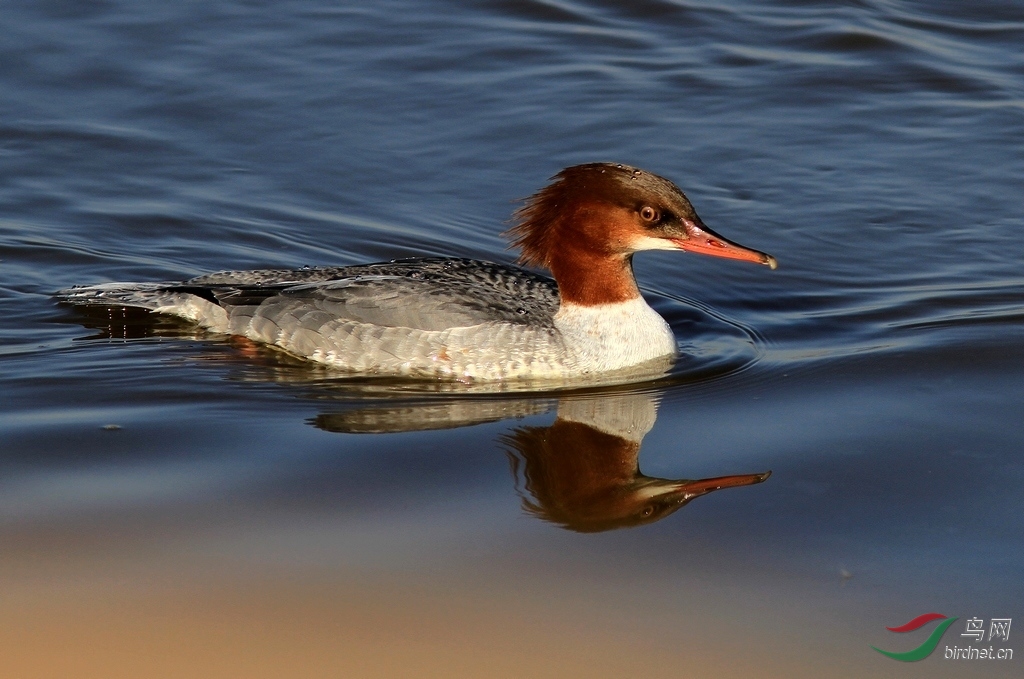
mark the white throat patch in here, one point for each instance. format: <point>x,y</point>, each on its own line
<point>606,337</point>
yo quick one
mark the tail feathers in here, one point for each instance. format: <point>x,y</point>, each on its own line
<point>142,295</point>
<point>193,304</point>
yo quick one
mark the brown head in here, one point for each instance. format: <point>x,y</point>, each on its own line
<point>585,226</point>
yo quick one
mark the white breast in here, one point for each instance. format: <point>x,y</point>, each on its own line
<point>614,336</point>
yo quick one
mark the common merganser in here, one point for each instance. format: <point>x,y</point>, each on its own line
<point>466,319</point>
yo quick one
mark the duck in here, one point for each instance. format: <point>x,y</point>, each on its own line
<point>462,319</point>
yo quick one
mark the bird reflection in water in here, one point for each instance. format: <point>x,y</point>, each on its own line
<point>581,472</point>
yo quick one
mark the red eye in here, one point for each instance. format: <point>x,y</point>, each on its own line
<point>649,214</point>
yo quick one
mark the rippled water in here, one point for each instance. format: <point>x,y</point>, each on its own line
<point>161,489</point>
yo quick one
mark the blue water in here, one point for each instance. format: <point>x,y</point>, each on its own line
<point>873,147</point>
